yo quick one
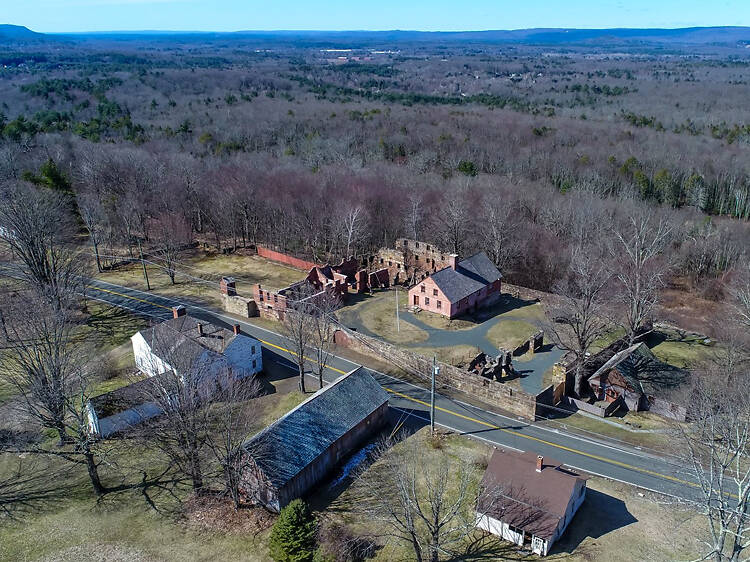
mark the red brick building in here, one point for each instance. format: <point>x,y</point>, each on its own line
<point>464,287</point>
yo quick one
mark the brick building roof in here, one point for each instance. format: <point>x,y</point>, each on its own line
<point>287,446</point>
<point>471,275</point>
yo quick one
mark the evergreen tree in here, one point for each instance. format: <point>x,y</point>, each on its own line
<point>293,534</point>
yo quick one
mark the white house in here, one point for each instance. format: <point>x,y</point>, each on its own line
<point>528,500</point>
<point>184,341</point>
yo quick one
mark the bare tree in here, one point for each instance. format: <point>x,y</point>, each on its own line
<point>717,442</point>
<point>181,392</point>
<point>298,325</point>
<point>639,271</point>
<point>578,317</point>
<point>453,223</point>
<point>232,418</point>
<point>37,225</point>
<point>496,230</point>
<point>414,215</point>
<point>353,225</point>
<point>171,236</point>
<point>323,328</point>
<point>94,218</point>
<point>47,366</point>
<point>427,504</point>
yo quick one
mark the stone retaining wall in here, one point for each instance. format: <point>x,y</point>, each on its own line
<point>490,391</point>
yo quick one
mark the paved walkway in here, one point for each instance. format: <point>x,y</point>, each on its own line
<point>531,370</point>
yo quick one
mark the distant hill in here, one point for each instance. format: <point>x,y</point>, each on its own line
<point>10,32</point>
<point>733,37</point>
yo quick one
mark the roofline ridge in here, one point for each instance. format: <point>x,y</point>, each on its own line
<point>317,394</point>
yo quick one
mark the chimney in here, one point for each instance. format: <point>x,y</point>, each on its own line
<point>236,329</point>
<point>178,311</point>
<point>452,259</point>
<point>228,286</point>
<point>200,329</point>
<point>539,463</point>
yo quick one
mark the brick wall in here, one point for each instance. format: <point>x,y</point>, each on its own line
<point>285,259</point>
<point>494,393</point>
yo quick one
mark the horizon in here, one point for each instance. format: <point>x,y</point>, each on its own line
<point>202,16</point>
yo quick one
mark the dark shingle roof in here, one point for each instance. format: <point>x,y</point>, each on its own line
<point>470,276</point>
<point>643,371</point>
<point>291,443</point>
<point>179,336</point>
<point>515,493</point>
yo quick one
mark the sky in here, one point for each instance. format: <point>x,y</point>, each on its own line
<point>432,15</point>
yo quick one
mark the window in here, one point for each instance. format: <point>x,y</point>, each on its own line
<point>252,350</point>
<point>406,242</point>
<point>276,298</point>
<point>440,304</point>
<point>382,260</point>
<point>421,289</point>
<point>416,244</point>
<point>427,301</point>
<point>428,248</point>
<point>254,363</point>
<point>390,263</point>
<point>434,292</point>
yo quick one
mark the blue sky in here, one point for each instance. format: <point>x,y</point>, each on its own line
<point>234,15</point>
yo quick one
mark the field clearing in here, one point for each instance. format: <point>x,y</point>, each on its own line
<point>198,274</point>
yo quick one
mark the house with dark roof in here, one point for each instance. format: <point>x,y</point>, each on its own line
<point>528,499</point>
<point>186,341</point>
<point>290,456</point>
<point>462,287</point>
<point>641,382</point>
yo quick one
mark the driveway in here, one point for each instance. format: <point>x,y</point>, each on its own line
<point>531,370</point>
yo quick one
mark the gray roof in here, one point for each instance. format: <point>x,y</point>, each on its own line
<point>180,337</point>
<point>470,276</point>
<point>294,441</point>
<point>643,371</point>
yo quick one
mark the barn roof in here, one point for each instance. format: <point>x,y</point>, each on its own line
<point>643,371</point>
<point>294,441</point>
<point>470,275</point>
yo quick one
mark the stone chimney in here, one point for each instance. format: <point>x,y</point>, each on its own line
<point>178,311</point>
<point>228,286</point>
<point>200,329</point>
<point>539,463</point>
<point>453,261</point>
<point>236,329</point>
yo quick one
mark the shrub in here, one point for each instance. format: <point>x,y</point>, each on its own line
<point>338,544</point>
<point>293,535</point>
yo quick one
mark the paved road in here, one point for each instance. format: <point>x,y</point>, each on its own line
<point>615,461</point>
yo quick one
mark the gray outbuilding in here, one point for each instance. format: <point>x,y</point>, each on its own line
<point>290,456</point>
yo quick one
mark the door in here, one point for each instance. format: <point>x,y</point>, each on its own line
<point>416,300</point>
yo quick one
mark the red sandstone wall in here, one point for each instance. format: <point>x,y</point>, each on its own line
<point>283,258</point>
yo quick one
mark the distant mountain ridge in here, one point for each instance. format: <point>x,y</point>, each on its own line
<point>727,35</point>
<point>17,32</point>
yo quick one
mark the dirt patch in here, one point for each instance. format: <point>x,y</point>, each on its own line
<point>207,513</point>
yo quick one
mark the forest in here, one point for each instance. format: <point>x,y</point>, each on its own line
<point>237,141</point>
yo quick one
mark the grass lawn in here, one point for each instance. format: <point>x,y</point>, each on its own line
<point>457,355</point>
<point>618,430</point>
<point>208,268</point>
<point>377,314</point>
<point>510,333</point>
<point>679,348</point>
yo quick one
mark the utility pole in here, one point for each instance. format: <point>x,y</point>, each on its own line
<point>398,323</point>
<point>435,371</point>
<point>143,263</point>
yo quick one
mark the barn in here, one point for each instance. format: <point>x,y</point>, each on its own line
<point>290,456</point>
